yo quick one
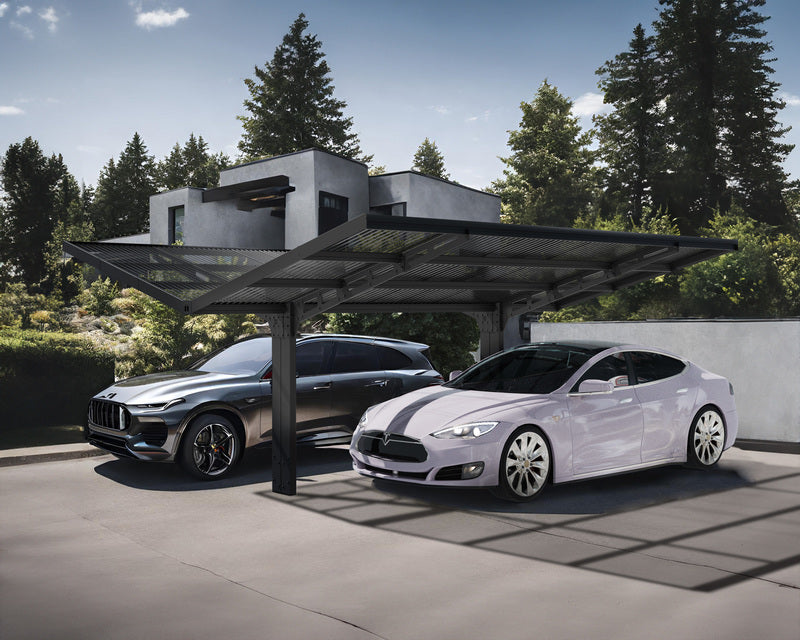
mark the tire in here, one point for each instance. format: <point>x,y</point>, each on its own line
<point>706,439</point>
<point>525,466</point>
<point>210,448</point>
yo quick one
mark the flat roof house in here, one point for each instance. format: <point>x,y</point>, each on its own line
<point>284,201</point>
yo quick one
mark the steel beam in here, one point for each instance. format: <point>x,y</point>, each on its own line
<point>284,403</point>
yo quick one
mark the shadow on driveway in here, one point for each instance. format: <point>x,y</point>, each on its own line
<point>698,530</point>
<point>254,468</point>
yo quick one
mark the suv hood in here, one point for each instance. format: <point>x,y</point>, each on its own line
<point>163,387</point>
<point>420,413</point>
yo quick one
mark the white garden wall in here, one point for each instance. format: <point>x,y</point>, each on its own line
<point>760,358</point>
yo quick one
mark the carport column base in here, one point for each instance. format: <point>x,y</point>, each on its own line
<point>491,325</point>
<point>284,403</point>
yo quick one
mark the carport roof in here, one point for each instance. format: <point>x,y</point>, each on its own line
<point>377,263</point>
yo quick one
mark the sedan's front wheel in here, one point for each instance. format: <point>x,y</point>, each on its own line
<point>706,439</point>
<point>525,465</point>
<point>210,447</point>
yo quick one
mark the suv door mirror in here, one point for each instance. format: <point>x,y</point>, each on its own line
<point>454,374</point>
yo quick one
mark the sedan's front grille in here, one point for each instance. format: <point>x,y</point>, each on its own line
<point>392,447</point>
<point>110,415</point>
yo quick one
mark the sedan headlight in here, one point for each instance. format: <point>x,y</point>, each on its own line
<point>159,406</point>
<point>465,431</point>
<point>362,424</point>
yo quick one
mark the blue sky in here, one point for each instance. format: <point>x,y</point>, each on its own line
<point>82,76</point>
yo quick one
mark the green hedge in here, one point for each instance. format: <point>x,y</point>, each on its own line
<point>48,378</point>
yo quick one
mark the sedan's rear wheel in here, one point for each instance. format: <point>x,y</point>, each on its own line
<point>210,447</point>
<point>706,439</point>
<point>525,465</point>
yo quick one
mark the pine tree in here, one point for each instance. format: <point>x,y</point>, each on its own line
<point>429,160</point>
<point>192,166</point>
<point>549,179</point>
<point>291,103</point>
<point>722,108</point>
<point>37,194</point>
<point>121,204</point>
<point>632,141</point>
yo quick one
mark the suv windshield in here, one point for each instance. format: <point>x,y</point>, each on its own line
<point>537,369</point>
<point>246,357</point>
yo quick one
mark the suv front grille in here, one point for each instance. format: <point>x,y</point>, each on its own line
<point>110,415</point>
<point>394,447</point>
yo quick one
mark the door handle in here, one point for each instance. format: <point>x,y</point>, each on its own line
<point>682,390</point>
<point>626,400</point>
<point>327,385</point>
<point>378,383</point>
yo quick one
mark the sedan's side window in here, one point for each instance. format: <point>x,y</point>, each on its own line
<point>613,368</point>
<point>392,358</point>
<point>311,358</point>
<point>654,366</point>
<point>354,356</point>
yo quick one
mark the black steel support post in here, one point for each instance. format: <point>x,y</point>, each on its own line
<point>284,404</point>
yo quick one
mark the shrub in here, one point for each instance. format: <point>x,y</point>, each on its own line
<point>48,378</point>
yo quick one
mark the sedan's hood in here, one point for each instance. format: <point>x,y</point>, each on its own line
<point>422,412</point>
<point>163,387</point>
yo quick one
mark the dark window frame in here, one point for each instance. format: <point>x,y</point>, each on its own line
<point>171,231</point>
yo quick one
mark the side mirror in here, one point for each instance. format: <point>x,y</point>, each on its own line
<point>454,374</point>
<point>596,386</point>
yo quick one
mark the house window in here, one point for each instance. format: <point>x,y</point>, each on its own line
<point>176,215</point>
<point>396,209</point>
<point>332,211</point>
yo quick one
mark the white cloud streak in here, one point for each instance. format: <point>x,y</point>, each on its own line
<point>441,110</point>
<point>24,10</point>
<point>590,104</point>
<point>50,17</point>
<point>11,111</point>
<point>789,99</point>
<point>3,8</point>
<point>159,18</point>
<point>25,30</point>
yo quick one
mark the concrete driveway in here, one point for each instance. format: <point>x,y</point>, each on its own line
<point>102,548</point>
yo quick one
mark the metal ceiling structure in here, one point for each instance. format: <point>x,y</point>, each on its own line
<point>377,263</point>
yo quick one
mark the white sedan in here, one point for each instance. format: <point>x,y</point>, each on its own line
<point>550,412</point>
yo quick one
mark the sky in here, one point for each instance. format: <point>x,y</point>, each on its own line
<point>82,76</point>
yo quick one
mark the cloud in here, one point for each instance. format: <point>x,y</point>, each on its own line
<point>50,17</point>
<point>590,104</point>
<point>11,111</point>
<point>789,99</point>
<point>24,10</point>
<point>3,8</point>
<point>484,117</point>
<point>25,30</point>
<point>159,18</point>
<point>441,110</point>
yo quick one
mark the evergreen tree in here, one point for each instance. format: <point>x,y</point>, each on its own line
<point>429,160</point>
<point>549,179</point>
<point>722,108</point>
<point>191,166</point>
<point>291,103</point>
<point>121,204</point>
<point>37,194</point>
<point>632,142</point>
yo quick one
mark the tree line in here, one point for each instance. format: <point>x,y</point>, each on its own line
<point>691,143</point>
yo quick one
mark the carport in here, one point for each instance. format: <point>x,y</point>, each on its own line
<point>378,264</point>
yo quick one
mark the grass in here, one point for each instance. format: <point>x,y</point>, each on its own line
<point>19,437</point>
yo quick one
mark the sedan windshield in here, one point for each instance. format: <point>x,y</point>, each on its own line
<point>246,357</point>
<point>538,369</point>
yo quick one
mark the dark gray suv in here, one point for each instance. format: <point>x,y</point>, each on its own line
<point>206,416</point>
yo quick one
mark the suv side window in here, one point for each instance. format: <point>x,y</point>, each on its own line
<point>312,358</point>
<point>392,358</point>
<point>354,356</point>
<point>654,366</point>
<point>613,368</point>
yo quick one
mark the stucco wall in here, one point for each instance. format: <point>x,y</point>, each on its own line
<point>428,197</point>
<point>760,358</point>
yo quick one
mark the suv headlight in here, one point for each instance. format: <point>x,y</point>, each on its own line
<point>159,406</point>
<point>465,431</point>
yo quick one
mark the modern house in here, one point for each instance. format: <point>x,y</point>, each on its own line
<point>284,201</point>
